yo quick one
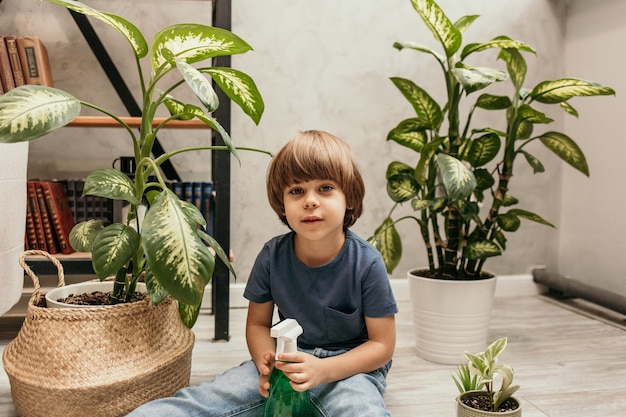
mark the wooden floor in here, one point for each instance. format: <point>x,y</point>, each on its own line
<point>570,360</point>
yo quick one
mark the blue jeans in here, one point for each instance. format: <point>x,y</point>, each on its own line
<point>235,393</point>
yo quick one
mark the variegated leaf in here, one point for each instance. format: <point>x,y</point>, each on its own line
<point>178,258</point>
<point>219,251</point>
<point>566,149</point>
<point>83,235</point>
<point>535,163</point>
<point>420,48</point>
<point>458,181</point>
<point>241,89</point>
<point>530,216</point>
<point>562,90</point>
<point>397,167</point>
<point>112,248</point>
<point>194,43</point>
<point>530,115</point>
<point>130,31</point>
<point>426,108</point>
<point>442,29</point>
<point>474,79</point>
<point>31,111</point>
<point>156,292</point>
<point>110,183</point>
<point>483,149</point>
<point>509,222</point>
<point>387,240</point>
<point>491,102</point>
<point>465,22</point>
<point>188,313</point>
<point>515,65</point>
<point>410,133</point>
<point>500,42</point>
<point>481,250</point>
<point>402,187</point>
<point>200,86</point>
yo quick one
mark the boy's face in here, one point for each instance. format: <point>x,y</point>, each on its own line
<point>315,209</point>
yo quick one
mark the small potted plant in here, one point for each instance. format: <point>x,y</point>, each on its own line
<point>485,385</point>
<point>168,248</point>
<point>457,174</point>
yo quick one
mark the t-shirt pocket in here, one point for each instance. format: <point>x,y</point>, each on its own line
<point>343,326</point>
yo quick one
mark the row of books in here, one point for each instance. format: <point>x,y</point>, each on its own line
<point>23,60</point>
<point>54,207</point>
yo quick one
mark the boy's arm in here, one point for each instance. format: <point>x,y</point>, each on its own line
<point>260,344</point>
<point>308,371</point>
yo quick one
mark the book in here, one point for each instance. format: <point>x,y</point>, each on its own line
<point>14,58</point>
<point>207,206</point>
<point>34,60</point>
<point>32,200</point>
<point>31,236</point>
<point>46,220</point>
<point>6,73</point>
<point>59,209</point>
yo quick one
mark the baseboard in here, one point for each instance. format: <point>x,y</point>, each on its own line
<point>521,285</point>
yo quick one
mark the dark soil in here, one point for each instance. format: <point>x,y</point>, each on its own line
<point>481,402</point>
<point>96,298</point>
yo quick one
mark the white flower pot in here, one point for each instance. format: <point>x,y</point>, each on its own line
<point>81,288</point>
<point>450,317</point>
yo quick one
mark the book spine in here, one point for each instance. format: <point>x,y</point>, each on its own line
<point>32,199</point>
<point>34,60</point>
<point>208,206</point>
<point>46,220</point>
<point>31,235</point>
<point>14,57</point>
<point>6,73</point>
<point>58,207</point>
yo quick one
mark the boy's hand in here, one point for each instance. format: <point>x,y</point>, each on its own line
<point>305,371</point>
<point>265,368</point>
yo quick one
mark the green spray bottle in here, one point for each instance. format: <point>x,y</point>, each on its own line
<point>283,401</point>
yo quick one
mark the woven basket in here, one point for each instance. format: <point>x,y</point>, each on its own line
<point>102,362</point>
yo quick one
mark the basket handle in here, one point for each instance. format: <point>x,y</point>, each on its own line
<point>34,298</point>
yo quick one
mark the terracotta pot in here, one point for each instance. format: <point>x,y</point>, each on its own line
<point>450,317</point>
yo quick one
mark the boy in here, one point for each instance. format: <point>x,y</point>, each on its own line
<point>324,276</point>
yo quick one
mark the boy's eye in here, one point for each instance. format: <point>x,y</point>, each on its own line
<point>295,191</point>
<point>326,188</point>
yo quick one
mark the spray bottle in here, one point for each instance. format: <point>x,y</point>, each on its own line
<point>283,401</point>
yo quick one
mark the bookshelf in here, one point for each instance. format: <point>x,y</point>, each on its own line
<point>80,263</point>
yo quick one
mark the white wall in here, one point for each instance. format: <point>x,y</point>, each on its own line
<point>321,64</point>
<point>593,228</point>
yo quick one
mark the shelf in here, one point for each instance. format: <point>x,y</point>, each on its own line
<point>77,263</point>
<point>105,121</point>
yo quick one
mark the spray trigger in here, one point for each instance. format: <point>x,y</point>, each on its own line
<point>286,333</point>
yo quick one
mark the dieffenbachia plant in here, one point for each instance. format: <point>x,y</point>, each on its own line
<point>461,164</point>
<point>169,247</point>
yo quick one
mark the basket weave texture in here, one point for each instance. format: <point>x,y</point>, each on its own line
<point>102,361</point>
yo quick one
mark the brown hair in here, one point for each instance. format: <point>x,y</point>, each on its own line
<point>316,155</point>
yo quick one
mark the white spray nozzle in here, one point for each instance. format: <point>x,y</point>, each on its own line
<point>286,333</point>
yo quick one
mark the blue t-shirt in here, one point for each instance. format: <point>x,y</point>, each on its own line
<point>329,301</point>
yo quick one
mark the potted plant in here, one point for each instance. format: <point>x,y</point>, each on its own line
<point>461,165</point>
<point>168,249</point>
<point>107,360</point>
<point>477,381</point>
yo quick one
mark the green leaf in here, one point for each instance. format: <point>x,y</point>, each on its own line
<point>83,235</point>
<point>194,43</point>
<point>402,187</point>
<point>458,181</point>
<point>484,179</point>
<point>178,258</point>
<point>568,108</point>
<point>528,114</point>
<point>516,66</point>
<point>219,251</point>
<point>428,151</point>
<point>530,216</point>
<point>426,108</point>
<point>409,133</point>
<point>491,102</point>
<point>442,29</point>
<point>420,48</point>
<point>566,149</point>
<point>418,204</point>
<point>130,31</point>
<point>535,163</point>
<point>483,149</point>
<point>156,292</point>
<point>562,90</point>
<point>482,249</point>
<point>508,222</point>
<point>474,79</point>
<point>500,42</point>
<point>110,183</point>
<point>387,240</point>
<point>200,86</point>
<point>188,314</point>
<point>241,89</point>
<point>396,167</point>
<point>112,248</point>
<point>31,111</point>
<point>465,21</point>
